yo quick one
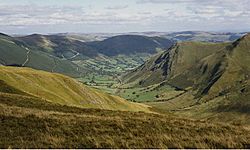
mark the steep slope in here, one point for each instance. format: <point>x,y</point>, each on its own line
<point>130,44</point>
<point>61,89</point>
<point>237,71</point>
<point>14,52</point>
<point>214,79</point>
<point>172,63</point>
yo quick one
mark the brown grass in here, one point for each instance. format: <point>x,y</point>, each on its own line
<point>27,122</point>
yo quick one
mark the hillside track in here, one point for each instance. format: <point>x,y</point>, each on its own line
<point>27,57</point>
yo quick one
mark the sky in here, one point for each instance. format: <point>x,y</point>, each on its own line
<point>117,16</point>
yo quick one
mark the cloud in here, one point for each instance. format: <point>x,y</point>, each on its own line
<point>144,14</point>
<point>117,7</point>
<point>21,15</point>
<point>33,14</point>
<point>166,1</point>
<point>223,4</point>
<point>222,10</point>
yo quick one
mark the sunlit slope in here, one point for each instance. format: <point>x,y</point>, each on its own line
<point>205,67</point>
<point>214,79</point>
<point>62,89</point>
<point>172,63</point>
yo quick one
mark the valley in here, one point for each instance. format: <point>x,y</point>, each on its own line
<point>157,90</point>
<point>134,74</point>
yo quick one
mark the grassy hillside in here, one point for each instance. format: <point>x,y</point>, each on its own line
<point>62,89</point>
<point>213,80</point>
<point>13,52</point>
<point>171,63</point>
<point>59,46</point>
<point>29,122</point>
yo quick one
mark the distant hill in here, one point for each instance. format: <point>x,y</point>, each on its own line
<point>214,77</point>
<point>176,36</point>
<point>17,53</point>
<point>60,46</point>
<point>66,47</point>
<point>110,57</point>
<point>71,55</point>
<point>131,44</point>
<point>203,36</point>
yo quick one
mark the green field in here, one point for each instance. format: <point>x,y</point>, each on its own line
<point>111,66</point>
<point>157,92</point>
<point>105,71</point>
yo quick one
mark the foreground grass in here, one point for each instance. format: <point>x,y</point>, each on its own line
<point>29,122</point>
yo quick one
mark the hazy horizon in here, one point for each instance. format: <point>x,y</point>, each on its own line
<point>117,16</point>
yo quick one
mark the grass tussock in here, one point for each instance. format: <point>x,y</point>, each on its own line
<point>28,122</point>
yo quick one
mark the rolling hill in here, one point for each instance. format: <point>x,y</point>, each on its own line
<point>104,59</point>
<point>131,44</point>
<point>64,46</point>
<point>203,36</point>
<point>213,79</point>
<point>59,46</point>
<point>60,89</point>
<point>15,52</point>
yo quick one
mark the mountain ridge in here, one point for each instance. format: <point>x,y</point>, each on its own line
<point>214,79</point>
